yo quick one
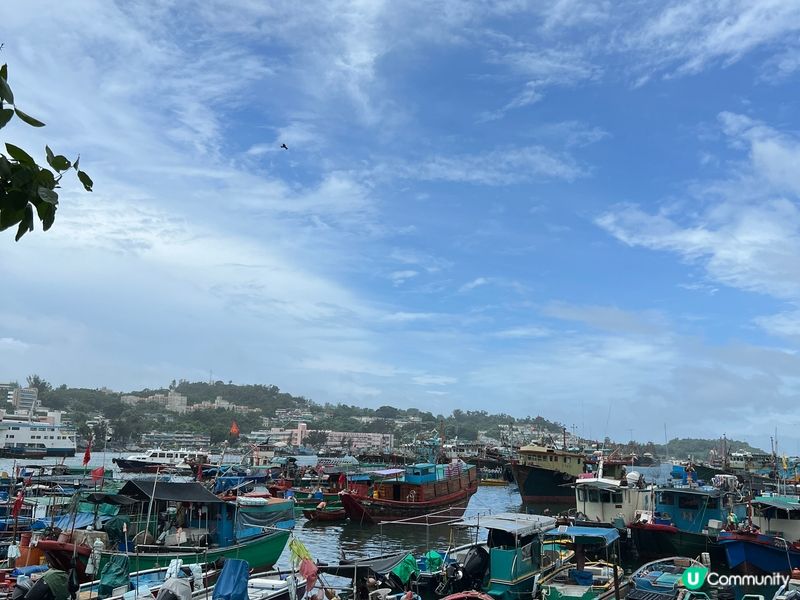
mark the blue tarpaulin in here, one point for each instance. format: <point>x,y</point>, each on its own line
<point>586,535</point>
<point>232,582</point>
<point>82,520</point>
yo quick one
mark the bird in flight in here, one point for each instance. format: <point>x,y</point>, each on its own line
<point>284,146</point>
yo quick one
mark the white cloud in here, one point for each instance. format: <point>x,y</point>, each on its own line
<point>475,283</point>
<point>688,36</point>
<point>433,379</point>
<point>400,277</point>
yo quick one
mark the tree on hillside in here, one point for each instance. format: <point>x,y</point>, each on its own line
<point>34,381</point>
<point>316,439</point>
<point>24,185</point>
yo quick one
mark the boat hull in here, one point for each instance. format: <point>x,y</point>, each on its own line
<point>751,554</point>
<point>127,465</point>
<point>325,515</point>
<point>261,552</point>
<point>361,509</point>
<point>655,541</point>
<point>543,486</point>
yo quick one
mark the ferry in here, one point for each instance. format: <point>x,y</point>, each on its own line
<point>35,436</point>
<point>158,459</point>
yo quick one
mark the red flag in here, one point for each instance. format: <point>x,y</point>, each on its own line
<point>199,472</point>
<point>87,456</point>
<point>234,429</point>
<point>17,504</point>
<point>98,473</point>
<point>342,480</point>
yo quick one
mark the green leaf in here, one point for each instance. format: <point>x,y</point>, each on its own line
<point>75,164</point>
<point>48,195</point>
<point>19,154</point>
<point>46,178</point>
<point>26,224</point>
<point>47,214</point>
<point>60,163</point>
<point>5,116</point>
<point>28,119</point>
<point>10,217</point>
<point>4,72</point>
<point>5,91</point>
<point>50,155</point>
<point>86,181</point>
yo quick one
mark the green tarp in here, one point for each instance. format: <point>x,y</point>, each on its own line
<point>406,568</point>
<point>113,528</point>
<point>433,561</point>
<point>57,582</point>
<point>114,575</point>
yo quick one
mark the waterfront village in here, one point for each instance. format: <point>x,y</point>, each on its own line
<point>262,463</point>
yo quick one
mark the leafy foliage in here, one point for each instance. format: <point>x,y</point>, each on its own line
<point>26,187</point>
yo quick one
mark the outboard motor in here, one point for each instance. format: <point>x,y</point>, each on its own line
<point>468,575</point>
<point>476,561</point>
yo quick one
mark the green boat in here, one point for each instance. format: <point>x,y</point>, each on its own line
<point>160,521</point>
<point>513,558</point>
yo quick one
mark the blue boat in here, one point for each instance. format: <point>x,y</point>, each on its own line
<point>769,542</point>
<point>687,519</point>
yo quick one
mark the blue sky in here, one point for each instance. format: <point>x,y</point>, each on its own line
<point>585,210</point>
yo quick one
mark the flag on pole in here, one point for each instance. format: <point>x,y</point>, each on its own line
<point>98,473</point>
<point>234,429</point>
<point>87,456</point>
<point>17,504</point>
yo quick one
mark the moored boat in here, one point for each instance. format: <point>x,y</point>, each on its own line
<point>543,474</point>
<point>769,542</point>
<point>325,514</point>
<point>686,519</point>
<point>417,492</point>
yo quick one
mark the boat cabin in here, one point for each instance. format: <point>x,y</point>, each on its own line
<point>515,545</point>
<point>423,481</point>
<point>777,515</point>
<point>694,509</point>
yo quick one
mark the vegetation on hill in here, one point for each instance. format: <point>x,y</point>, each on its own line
<point>276,408</point>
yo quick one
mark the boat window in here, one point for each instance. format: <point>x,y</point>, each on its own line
<point>594,496</point>
<point>666,498</point>
<point>688,501</point>
<point>605,496</point>
<point>617,497</point>
<point>713,503</point>
<point>581,495</point>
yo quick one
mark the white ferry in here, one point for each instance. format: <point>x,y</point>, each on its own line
<point>35,436</point>
<point>158,459</point>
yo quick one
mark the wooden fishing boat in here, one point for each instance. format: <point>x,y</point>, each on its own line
<point>239,531</point>
<point>262,552</point>
<point>325,514</point>
<point>423,492</point>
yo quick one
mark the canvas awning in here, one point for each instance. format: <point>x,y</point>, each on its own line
<point>163,490</point>
<point>388,472</point>
<point>515,523</point>
<point>586,535</point>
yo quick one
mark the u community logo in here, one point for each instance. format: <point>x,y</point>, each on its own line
<point>697,576</point>
<point>694,577</point>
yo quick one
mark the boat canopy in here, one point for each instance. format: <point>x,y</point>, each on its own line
<point>586,535</point>
<point>115,499</point>
<point>515,523</point>
<point>163,490</point>
<point>388,472</point>
<point>781,502</point>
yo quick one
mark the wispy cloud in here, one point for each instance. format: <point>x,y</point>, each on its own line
<point>475,283</point>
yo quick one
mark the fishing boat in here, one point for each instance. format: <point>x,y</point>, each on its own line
<point>326,514</point>
<point>511,560</point>
<point>594,580</point>
<point>544,474</point>
<point>191,524</point>
<point>663,580</point>
<point>769,541</point>
<point>611,502</point>
<point>413,493</point>
<point>686,518</point>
